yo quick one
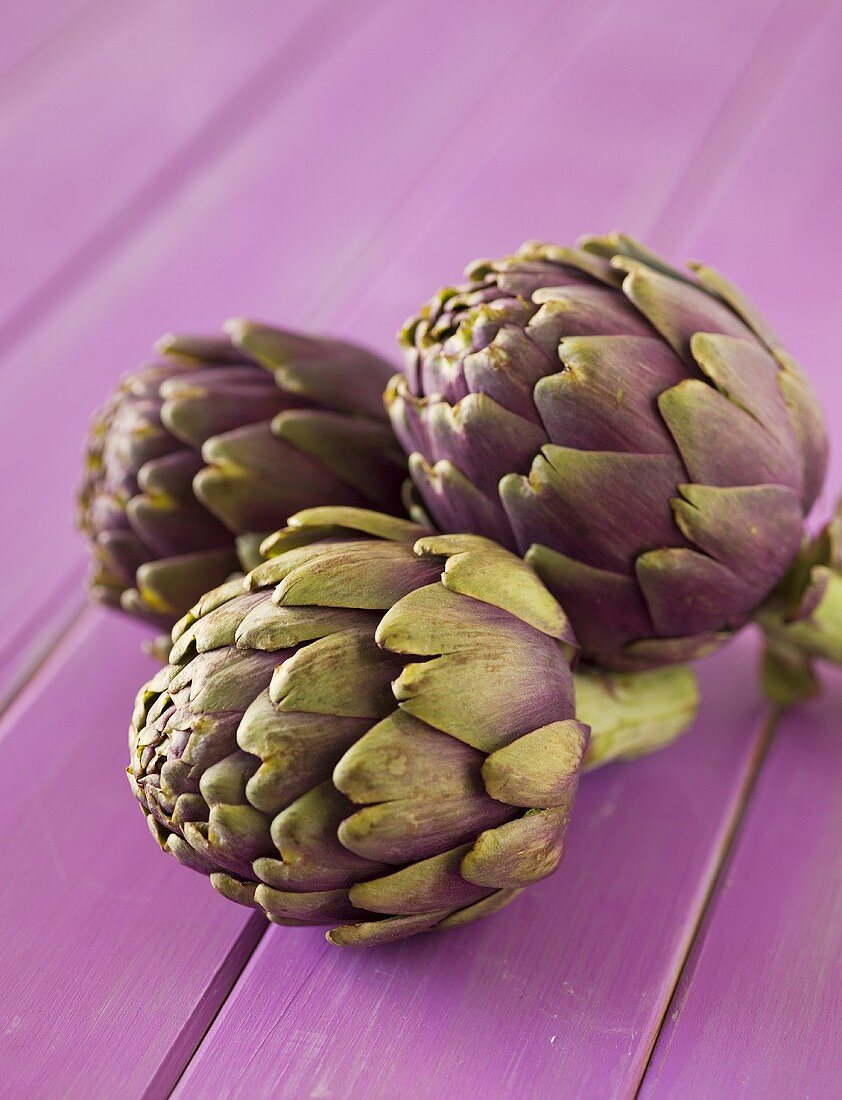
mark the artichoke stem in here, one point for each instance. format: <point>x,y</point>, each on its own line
<point>802,619</point>
<point>634,713</point>
<point>787,674</point>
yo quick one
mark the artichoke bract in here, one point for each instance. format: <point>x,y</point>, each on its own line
<point>635,431</point>
<point>222,438</point>
<point>374,730</point>
<point>802,620</point>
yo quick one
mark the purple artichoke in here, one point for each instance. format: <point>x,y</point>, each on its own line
<point>373,730</point>
<point>223,438</point>
<point>636,432</point>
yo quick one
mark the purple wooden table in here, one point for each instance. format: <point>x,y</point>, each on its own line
<point>168,163</point>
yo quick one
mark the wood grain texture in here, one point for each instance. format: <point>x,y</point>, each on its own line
<point>102,929</point>
<point>563,993</point>
<point>257,232</point>
<point>558,995</point>
<point>445,1019</point>
<point>104,989</point>
<point>606,144</point>
<point>773,224</point>
<point>757,1011</point>
<point>208,254</point>
<point>89,157</point>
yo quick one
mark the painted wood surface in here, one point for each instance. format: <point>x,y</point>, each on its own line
<point>240,240</point>
<point>116,165</point>
<point>117,959</point>
<point>623,156</point>
<point>113,964</point>
<point>757,1011</point>
<point>774,223</point>
<point>208,255</point>
<point>489,1053</point>
<point>560,995</point>
<point>178,994</point>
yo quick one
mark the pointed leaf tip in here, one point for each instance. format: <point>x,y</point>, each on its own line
<point>236,327</point>
<point>165,344</point>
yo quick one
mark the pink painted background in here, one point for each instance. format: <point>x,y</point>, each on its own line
<point>169,163</point>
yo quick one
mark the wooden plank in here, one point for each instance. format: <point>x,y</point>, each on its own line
<point>105,991</point>
<point>757,1011</point>
<point>774,223</point>
<point>611,145</point>
<point>90,157</point>
<point>733,768</point>
<point>555,996</point>
<point>87,912</point>
<point>563,995</point>
<point>257,233</point>
<point>156,118</point>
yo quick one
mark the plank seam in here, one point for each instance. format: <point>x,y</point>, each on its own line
<point>725,855</point>
<point>737,818</point>
<point>226,977</point>
<point>305,977</point>
<point>40,648</point>
<point>242,111</point>
<point>313,309</point>
<point>30,683</point>
<point>331,25</point>
<point>748,79</point>
<point>329,298</point>
<point>698,189</point>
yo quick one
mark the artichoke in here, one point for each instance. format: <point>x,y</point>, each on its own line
<point>375,729</point>
<point>222,438</point>
<point>636,432</point>
<point>802,619</point>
